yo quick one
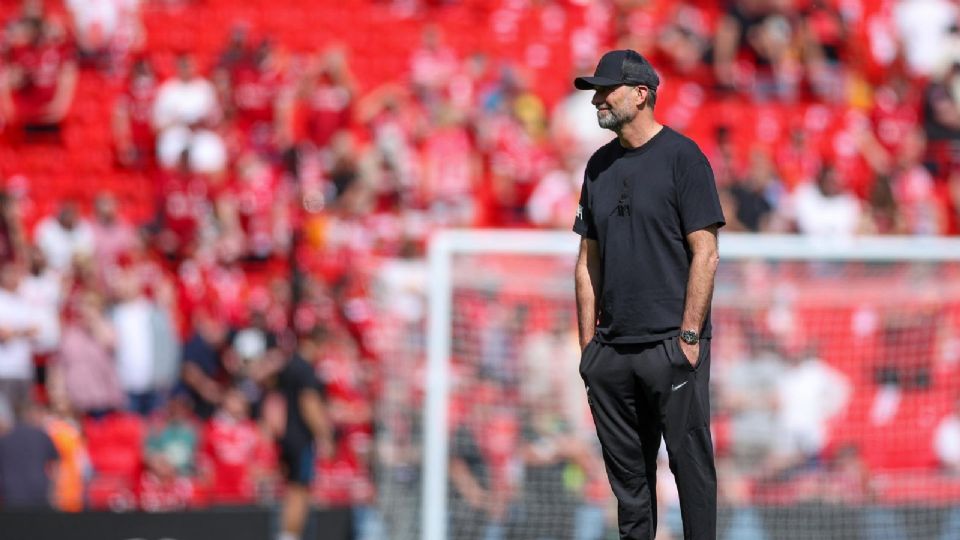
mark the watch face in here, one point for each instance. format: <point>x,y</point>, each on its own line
<point>690,337</point>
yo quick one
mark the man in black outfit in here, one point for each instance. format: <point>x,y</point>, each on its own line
<point>648,219</point>
<point>308,430</point>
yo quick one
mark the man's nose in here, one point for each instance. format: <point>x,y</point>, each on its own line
<point>597,98</point>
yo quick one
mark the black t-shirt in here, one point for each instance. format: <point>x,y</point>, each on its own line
<point>205,356</point>
<point>465,447</point>
<point>295,378</point>
<point>25,452</point>
<point>639,204</point>
<point>752,206</point>
<point>935,130</point>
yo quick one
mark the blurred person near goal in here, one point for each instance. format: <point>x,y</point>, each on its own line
<point>308,429</point>
<point>648,217</point>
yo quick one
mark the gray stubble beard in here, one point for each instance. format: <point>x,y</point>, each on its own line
<point>613,121</point>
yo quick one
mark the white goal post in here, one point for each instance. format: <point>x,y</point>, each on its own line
<point>446,245</point>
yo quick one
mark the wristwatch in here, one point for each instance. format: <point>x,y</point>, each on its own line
<point>690,337</point>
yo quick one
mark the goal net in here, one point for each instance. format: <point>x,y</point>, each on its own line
<point>835,395</point>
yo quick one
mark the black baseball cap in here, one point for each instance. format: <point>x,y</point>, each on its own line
<point>620,67</point>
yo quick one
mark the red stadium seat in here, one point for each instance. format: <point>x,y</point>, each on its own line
<point>115,444</point>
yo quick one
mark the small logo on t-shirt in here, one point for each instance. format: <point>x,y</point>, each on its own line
<point>579,211</point>
<point>679,386</point>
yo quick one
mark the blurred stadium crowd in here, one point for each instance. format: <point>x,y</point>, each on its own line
<point>179,203</point>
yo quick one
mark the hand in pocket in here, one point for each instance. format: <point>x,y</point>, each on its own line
<point>691,352</point>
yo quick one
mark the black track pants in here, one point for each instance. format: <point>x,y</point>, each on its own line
<point>636,393</point>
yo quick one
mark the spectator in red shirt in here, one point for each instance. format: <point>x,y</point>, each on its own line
<point>256,208</point>
<point>235,53</point>
<point>320,104</point>
<point>183,206</point>
<point>255,85</point>
<point>432,65</point>
<point>231,450</point>
<point>950,199</point>
<point>39,73</point>
<point>133,137</point>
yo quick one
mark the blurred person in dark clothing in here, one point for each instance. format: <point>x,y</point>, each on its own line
<point>549,507</point>
<point>203,372</point>
<point>941,115</point>
<point>756,194</point>
<point>252,349</point>
<point>484,448</point>
<point>27,458</point>
<point>308,430</point>
<point>747,30</point>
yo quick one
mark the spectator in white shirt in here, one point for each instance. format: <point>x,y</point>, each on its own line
<point>925,27</point>
<point>188,99</point>
<point>64,237</point>
<point>42,288</point>
<point>810,394</point>
<point>145,346</point>
<point>105,26</point>
<point>825,208</point>
<point>18,327</point>
<point>946,440</point>
<point>185,110</point>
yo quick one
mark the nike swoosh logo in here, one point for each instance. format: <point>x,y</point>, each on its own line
<point>679,386</point>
